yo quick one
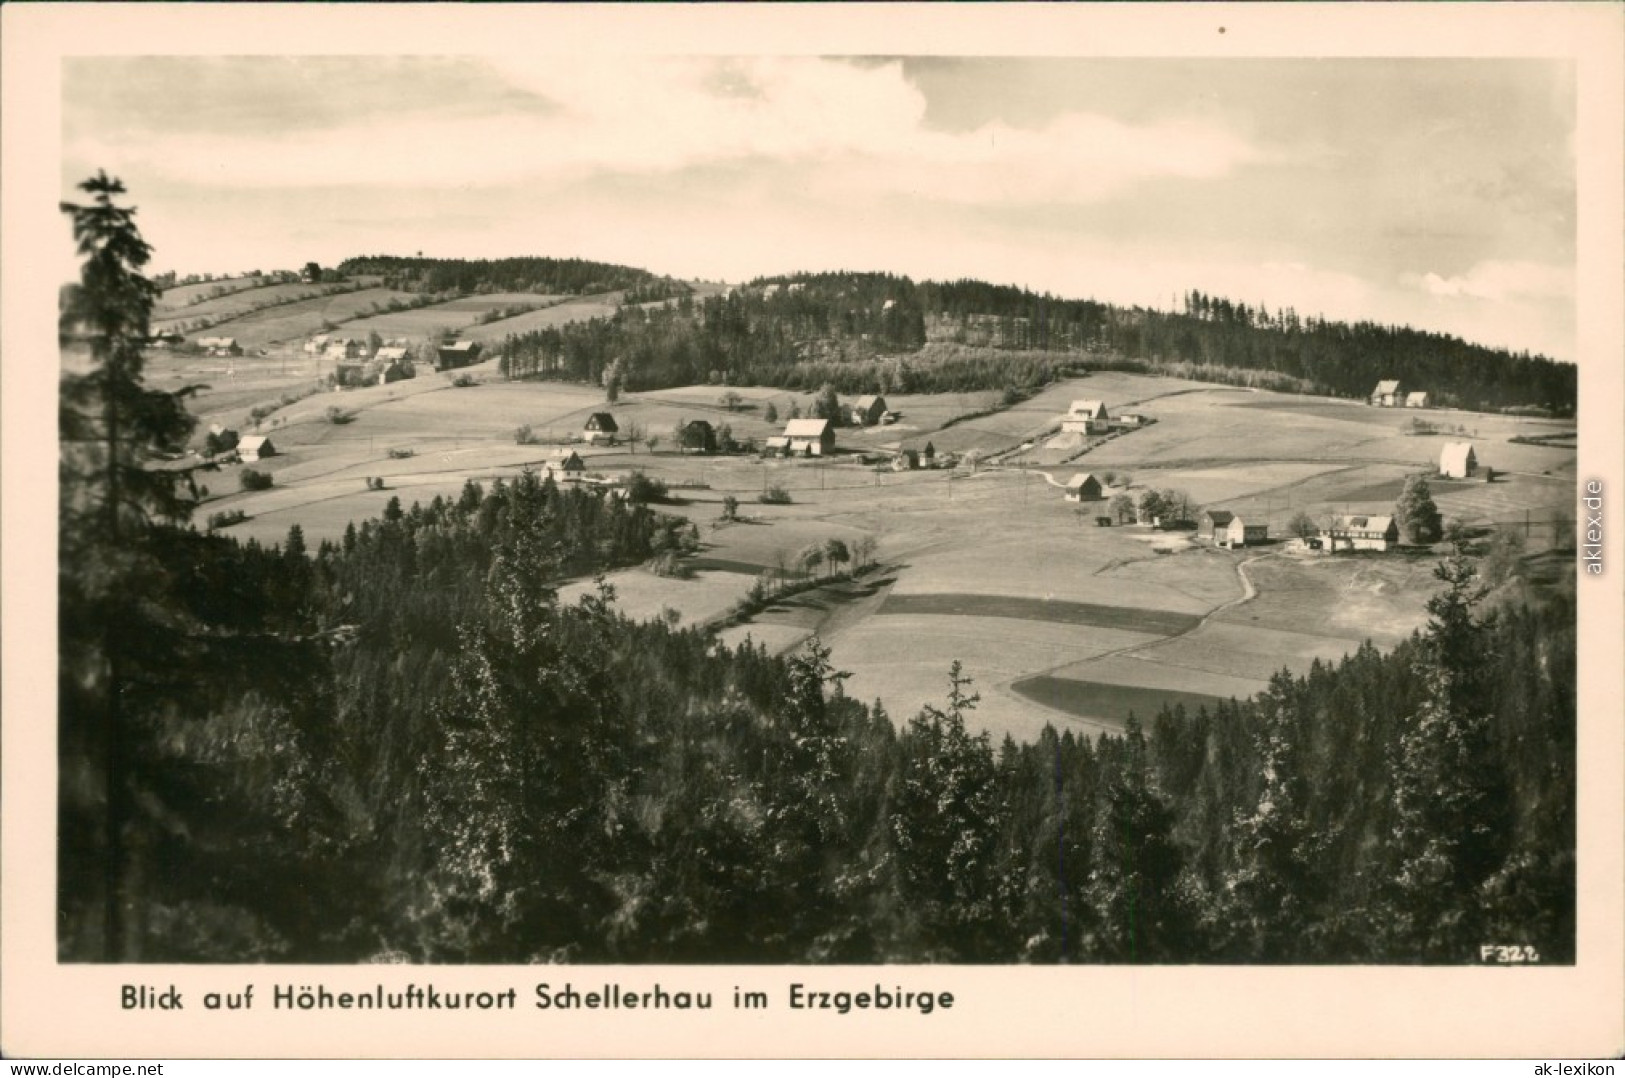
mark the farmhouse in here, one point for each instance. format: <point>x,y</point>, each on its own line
<point>905,460</point>
<point>565,464</point>
<point>1362,533</point>
<point>394,371</point>
<point>1083,487</point>
<point>1086,417</point>
<point>1226,529</point>
<point>777,445</point>
<point>1457,460</point>
<point>914,455</point>
<point>316,345</point>
<point>255,447</point>
<point>601,427</point>
<point>456,354</point>
<point>810,437</point>
<point>697,434</point>
<point>868,410</point>
<point>1387,394</point>
<point>1133,419</point>
<point>343,348</point>
<point>390,354</point>
<point>220,346</point>
<point>1417,399</point>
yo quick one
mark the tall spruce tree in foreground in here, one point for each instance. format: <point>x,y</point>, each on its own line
<point>112,429</point>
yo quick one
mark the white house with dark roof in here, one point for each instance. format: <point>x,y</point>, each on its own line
<point>1224,528</point>
<point>254,447</point>
<point>565,464</point>
<point>601,427</point>
<point>1457,460</point>
<point>1086,417</point>
<point>1357,532</point>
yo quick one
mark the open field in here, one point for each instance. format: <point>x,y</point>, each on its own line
<point>223,309</point>
<point>171,300</point>
<point>452,316</point>
<point>1058,621</point>
<point>576,309</point>
<point>293,322</point>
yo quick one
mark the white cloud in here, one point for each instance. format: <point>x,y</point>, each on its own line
<point>1498,281</point>
<point>854,130</point>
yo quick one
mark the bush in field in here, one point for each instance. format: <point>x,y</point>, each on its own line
<point>339,416</point>
<point>774,495</point>
<point>254,480</point>
<point>730,507</point>
<point>524,435</point>
<point>226,519</point>
<point>402,454</point>
<point>464,381</point>
<point>641,490</point>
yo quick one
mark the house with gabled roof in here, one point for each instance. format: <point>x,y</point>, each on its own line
<point>1416,399</point>
<point>1457,460</point>
<point>1356,532</point>
<point>868,410</point>
<point>1387,394</point>
<point>600,427</point>
<point>810,437</point>
<point>1223,528</point>
<point>1084,487</point>
<point>254,447</point>
<point>565,464</point>
<point>1086,417</point>
<point>454,354</point>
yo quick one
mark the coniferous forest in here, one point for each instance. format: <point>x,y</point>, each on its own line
<point>863,333</point>
<point>404,746</point>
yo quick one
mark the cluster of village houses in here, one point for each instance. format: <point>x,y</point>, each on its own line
<point>355,364</point>
<point>1224,528</point>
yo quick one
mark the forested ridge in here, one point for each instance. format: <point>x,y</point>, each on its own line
<point>569,276</point>
<point>864,333</point>
<point>404,746</point>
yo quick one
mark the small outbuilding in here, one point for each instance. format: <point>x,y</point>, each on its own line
<point>698,434</point>
<point>601,427</point>
<point>868,410</point>
<point>809,437</point>
<point>1417,399</point>
<point>1457,460</point>
<point>1387,394</point>
<point>1084,487</point>
<point>254,447</point>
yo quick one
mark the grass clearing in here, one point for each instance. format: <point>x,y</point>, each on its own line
<point>1098,700</point>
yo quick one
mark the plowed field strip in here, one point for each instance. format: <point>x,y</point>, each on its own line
<point>1165,622</point>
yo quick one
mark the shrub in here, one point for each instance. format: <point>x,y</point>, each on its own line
<point>641,489</point>
<point>524,435</point>
<point>339,416</point>
<point>402,454</point>
<point>463,381</point>
<point>254,480</point>
<point>730,507</point>
<point>226,519</point>
<point>774,495</point>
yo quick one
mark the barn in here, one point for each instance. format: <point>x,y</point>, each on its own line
<point>1083,487</point>
<point>1457,460</point>
<point>810,437</point>
<point>601,427</point>
<point>456,354</point>
<point>254,447</point>
<point>868,410</point>
<point>1387,394</point>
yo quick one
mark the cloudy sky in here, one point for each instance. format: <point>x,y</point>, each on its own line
<point>1438,193</point>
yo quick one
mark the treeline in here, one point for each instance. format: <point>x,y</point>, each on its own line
<point>774,331</point>
<point>572,276</point>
